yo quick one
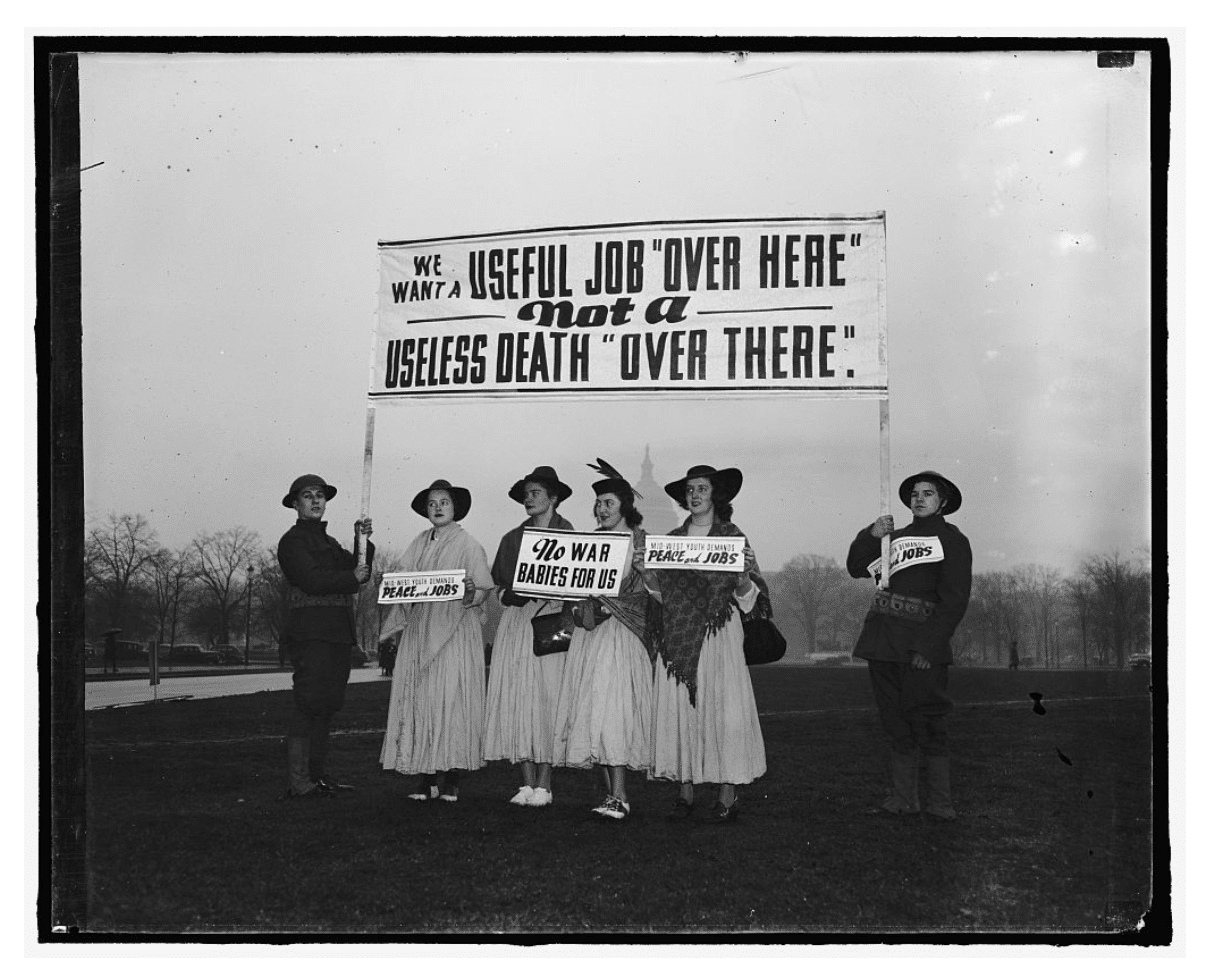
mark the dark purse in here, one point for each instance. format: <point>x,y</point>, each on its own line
<point>551,633</point>
<point>763,642</point>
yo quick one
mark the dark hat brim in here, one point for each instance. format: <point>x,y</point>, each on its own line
<point>729,480</point>
<point>462,499</point>
<point>550,483</point>
<point>611,485</point>
<point>310,479</point>
<point>954,499</point>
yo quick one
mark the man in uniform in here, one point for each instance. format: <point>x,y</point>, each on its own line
<point>320,631</point>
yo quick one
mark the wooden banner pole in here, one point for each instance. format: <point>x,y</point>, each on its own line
<point>885,489</point>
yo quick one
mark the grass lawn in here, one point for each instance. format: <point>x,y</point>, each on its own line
<point>187,831</point>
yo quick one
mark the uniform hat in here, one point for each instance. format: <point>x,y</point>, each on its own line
<point>947,489</point>
<point>546,476</point>
<point>461,499</point>
<point>727,480</point>
<point>309,479</point>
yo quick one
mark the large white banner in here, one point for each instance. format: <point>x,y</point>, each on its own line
<point>660,308</point>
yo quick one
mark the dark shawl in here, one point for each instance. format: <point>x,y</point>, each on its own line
<point>696,603</point>
<point>629,608</point>
<point>507,557</point>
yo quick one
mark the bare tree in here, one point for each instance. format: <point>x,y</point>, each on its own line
<point>116,555</point>
<point>271,604</point>
<point>996,607</point>
<point>220,561</point>
<point>1123,592</point>
<point>806,584</point>
<point>1039,593</point>
<point>1080,594</point>
<point>170,577</point>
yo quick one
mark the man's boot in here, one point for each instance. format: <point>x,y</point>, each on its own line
<point>903,800</point>
<point>299,769</point>
<point>938,788</point>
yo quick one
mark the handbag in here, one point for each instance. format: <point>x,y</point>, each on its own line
<point>551,633</point>
<point>763,643</point>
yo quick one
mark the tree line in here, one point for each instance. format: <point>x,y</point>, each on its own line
<point>1095,617</point>
<point>226,588</point>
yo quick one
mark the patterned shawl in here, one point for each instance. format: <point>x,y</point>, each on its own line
<point>694,603</point>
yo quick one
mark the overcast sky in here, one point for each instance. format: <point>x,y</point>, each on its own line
<point>231,271</point>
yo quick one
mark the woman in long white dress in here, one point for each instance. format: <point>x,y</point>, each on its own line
<point>603,714</point>
<point>521,698</point>
<point>435,719</point>
<point>705,719</point>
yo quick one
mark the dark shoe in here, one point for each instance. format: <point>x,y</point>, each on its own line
<point>334,784</point>
<point>681,810</point>
<point>315,791</point>
<point>723,814</point>
<point>612,808</point>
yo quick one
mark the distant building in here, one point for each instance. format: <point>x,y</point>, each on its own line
<point>661,513</point>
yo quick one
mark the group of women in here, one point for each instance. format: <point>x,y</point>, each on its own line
<point>654,680</point>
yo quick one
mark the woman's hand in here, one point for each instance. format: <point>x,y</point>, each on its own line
<point>470,591</point>
<point>919,662</point>
<point>362,573</point>
<point>882,527</point>
<point>366,526</point>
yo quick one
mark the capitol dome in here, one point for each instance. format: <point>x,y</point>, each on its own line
<point>661,513</point>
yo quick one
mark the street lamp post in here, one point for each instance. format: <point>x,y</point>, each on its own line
<point>247,624</point>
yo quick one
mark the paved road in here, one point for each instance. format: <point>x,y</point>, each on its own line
<point>108,694</point>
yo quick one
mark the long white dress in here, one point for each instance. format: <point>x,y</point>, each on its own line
<point>604,710</point>
<point>435,718</point>
<point>521,697</point>
<point>718,738</point>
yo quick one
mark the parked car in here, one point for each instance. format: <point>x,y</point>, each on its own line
<point>1141,659</point>
<point>229,654</point>
<point>192,654</point>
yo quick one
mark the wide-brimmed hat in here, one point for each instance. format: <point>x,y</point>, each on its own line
<point>309,479</point>
<point>954,499</point>
<point>546,476</point>
<point>728,480</point>
<point>461,499</point>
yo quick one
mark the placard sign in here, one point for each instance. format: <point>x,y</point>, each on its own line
<point>565,564</point>
<point>908,552</point>
<point>423,587</point>
<point>659,309</point>
<point>695,553</point>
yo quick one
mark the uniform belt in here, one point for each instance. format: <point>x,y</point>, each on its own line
<point>299,598</point>
<point>915,609</point>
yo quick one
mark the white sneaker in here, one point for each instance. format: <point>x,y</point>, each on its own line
<point>523,796</point>
<point>540,798</point>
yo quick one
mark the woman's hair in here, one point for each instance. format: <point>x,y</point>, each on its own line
<point>722,502</point>
<point>632,516</point>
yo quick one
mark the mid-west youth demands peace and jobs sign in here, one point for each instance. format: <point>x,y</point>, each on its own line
<point>695,553</point>
<point>421,587</point>
<point>752,306</point>
<point>569,565</point>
